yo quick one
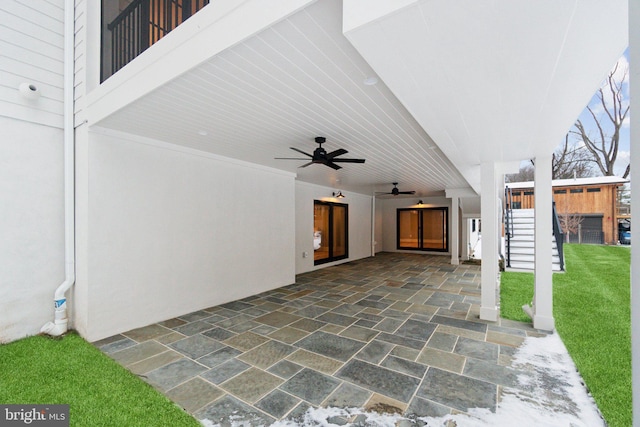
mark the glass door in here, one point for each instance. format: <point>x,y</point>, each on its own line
<point>423,229</point>
<point>330,232</point>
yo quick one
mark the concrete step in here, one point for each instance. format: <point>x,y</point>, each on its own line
<point>528,244</point>
<point>530,257</point>
<point>525,240</point>
<point>521,219</point>
<point>523,212</point>
<point>518,265</point>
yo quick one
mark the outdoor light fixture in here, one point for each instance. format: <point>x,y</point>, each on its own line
<point>420,202</point>
<point>339,195</point>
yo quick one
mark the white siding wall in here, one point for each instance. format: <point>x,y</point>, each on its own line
<point>31,51</point>
<point>31,226</point>
<point>359,224</point>
<point>168,231</point>
<point>31,164</point>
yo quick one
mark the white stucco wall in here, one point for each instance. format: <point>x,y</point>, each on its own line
<point>169,231</point>
<point>31,225</point>
<point>389,218</point>
<point>359,224</point>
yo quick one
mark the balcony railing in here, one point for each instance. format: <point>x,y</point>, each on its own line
<point>143,23</point>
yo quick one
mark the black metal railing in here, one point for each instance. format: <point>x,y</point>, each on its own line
<point>508,222</point>
<point>143,23</point>
<point>559,235</point>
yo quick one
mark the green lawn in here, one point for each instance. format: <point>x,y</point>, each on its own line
<point>43,370</point>
<point>591,306</point>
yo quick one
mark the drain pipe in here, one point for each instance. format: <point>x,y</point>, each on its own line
<point>60,324</point>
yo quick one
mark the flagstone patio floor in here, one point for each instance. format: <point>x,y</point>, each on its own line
<point>395,333</point>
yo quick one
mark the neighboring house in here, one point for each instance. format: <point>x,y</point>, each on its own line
<point>588,208</point>
<point>150,183</point>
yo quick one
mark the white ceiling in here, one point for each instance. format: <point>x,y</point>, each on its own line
<point>299,79</point>
<point>461,82</point>
<point>500,80</point>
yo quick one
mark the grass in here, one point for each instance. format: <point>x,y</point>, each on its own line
<point>69,370</point>
<point>591,307</point>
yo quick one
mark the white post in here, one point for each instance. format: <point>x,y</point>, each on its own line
<point>490,214</point>
<point>465,239</point>
<point>455,231</point>
<point>634,78</point>
<point>543,293</point>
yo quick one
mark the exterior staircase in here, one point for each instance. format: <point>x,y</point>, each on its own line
<point>522,243</point>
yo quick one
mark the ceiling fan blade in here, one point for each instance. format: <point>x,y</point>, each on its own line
<point>406,192</point>
<point>349,160</point>
<point>338,152</point>
<point>305,165</point>
<point>289,158</point>
<point>301,152</point>
<point>332,165</point>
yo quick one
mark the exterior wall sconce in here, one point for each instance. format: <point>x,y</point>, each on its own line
<point>339,195</point>
<point>419,202</point>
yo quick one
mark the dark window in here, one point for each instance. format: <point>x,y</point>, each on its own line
<point>560,191</point>
<point>330,231</point>
<point>593,190</point>
<point>515,193</point>
<point>528,193</point>
<point>516,205</point>
<point>423,229</point>
<point>576,190</point>
<point>473,225</point>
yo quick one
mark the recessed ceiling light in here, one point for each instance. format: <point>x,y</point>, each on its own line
<point>370,81</point>
<point>203,132</point>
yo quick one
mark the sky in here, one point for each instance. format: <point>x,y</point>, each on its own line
<point>585,117</point>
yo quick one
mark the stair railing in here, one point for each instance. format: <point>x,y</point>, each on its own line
<point>559,235</point>
<point>508,231</point>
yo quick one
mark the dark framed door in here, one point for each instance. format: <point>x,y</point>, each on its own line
<point>330,231</point>
<point>424,229</point>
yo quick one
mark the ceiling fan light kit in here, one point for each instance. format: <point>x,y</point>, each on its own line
<point>321,156</point>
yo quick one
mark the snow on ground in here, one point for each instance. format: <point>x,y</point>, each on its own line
<point>550,394</point>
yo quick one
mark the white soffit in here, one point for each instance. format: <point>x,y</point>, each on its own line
<point>498,80</point>
<point>280,88</point>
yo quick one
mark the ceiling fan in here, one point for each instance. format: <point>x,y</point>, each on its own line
<point>395,190</point>
<point>321,156</point>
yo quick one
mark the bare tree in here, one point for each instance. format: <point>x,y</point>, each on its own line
<point>526,173</point>
<point>608,115</point>
<point>570,220</point>
<point>570,224</point>
<point>568,161</point>
<point>571,161</point>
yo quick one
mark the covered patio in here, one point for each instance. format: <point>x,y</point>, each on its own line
<point>394,333</point>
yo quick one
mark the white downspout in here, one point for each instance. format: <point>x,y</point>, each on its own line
<point>60,323</point>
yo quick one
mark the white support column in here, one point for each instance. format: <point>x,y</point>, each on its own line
<point>491,214</point>
<point>543,293</point>
<point>634,77</point>
<point>465,239</point>
<point>454,234</point>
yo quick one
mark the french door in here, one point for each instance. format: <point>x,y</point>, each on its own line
<point>423,229</point>
<point>330,231</point>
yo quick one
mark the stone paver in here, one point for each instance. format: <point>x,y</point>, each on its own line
<point>397,333</point>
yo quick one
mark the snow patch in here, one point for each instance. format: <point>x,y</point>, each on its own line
<point>550,393</point>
